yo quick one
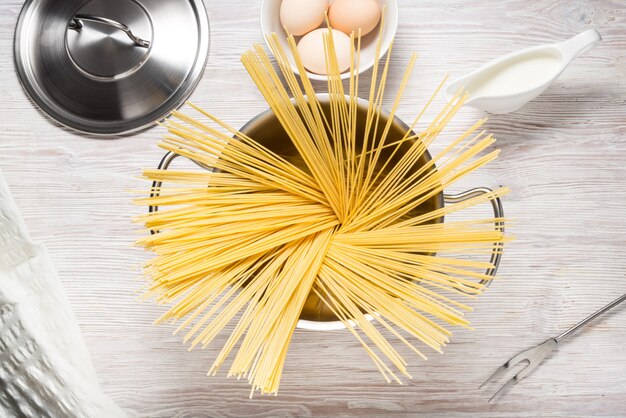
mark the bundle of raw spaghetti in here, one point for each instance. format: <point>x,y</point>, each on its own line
<point>345,219</point>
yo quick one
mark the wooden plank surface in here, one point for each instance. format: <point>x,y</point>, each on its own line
<point>563,155</point>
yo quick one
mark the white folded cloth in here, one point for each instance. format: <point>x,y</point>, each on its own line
<point>45,369</point>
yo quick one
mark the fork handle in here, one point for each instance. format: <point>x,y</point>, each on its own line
<point>591,318</point>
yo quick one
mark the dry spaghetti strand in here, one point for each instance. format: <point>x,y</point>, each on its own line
<point>346,220</point>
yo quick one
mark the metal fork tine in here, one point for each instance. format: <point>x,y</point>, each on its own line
<point>532,356</point>
<point>506,385</point>
<point>492,375</point>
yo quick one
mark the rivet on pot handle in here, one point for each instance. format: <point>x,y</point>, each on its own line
<point>498,212</point>
<point>77,24</point>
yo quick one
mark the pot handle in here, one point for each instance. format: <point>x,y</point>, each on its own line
<point>498,212</point>
<point>164,165</point>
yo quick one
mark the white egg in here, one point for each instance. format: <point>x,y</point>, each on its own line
<point>302,16</point>
<point>350,15</point>
<point>311,50</point>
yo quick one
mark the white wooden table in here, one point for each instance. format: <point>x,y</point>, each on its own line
<point>564,156</point>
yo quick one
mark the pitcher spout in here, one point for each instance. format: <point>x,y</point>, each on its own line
<point>578,44</point>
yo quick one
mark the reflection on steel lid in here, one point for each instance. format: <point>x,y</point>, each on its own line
<point>110,66</point>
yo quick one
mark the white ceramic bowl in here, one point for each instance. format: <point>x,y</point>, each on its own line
<point>270,22</point>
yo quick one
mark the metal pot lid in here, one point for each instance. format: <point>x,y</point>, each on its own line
<point>110,66</point>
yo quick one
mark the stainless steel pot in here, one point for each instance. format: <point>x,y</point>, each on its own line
<point>266,129</point>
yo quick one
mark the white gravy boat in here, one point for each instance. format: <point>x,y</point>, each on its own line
<point>509,82</point>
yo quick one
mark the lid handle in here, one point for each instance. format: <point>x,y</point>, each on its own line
<point>77,24</point>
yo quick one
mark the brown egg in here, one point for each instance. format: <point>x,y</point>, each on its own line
<point>350,15</point>
<point>302,16</point>
<point>311,50</point>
